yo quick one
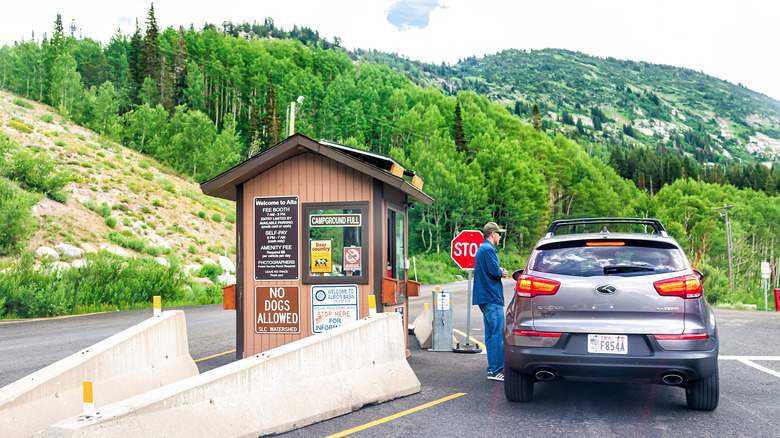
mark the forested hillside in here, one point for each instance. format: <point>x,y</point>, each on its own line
<point>695,125</point>
<point>201,101</point>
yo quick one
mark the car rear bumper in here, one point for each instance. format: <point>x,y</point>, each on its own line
<point>650,366</point>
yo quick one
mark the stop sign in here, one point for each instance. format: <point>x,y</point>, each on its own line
<point>464,248</point>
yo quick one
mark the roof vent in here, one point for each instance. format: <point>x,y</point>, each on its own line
<point>604,231</point>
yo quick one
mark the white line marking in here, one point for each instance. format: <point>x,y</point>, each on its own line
<point>759,367</point>
<point>740,358</point>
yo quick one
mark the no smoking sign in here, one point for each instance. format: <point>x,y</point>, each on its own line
<point>352,258</point>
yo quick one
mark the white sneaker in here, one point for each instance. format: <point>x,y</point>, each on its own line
<point>496,376</point>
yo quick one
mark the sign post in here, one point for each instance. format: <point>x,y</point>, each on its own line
<point>765,275</point>
<point>463,251</point>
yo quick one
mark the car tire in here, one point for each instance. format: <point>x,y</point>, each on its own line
<point>518,387</point>
<point>703,394</point>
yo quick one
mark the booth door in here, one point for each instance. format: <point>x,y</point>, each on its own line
<point>395,246</point>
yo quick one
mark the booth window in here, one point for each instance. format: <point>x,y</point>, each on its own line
<point>336,243</point>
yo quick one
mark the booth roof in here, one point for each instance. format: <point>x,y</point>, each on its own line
<point>372,164</point>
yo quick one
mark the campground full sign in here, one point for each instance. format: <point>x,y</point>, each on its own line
<point>464,248</point>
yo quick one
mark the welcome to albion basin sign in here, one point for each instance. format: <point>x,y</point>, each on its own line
<point>277,307</point>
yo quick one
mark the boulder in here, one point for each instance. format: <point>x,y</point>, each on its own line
<point>163,261</point>
<point>78,264</point>
<point>88,248</point>
<point>203,281</point>
<point>226,279</point>
<point>69,251</point>
<point>45,251</point>
<point>227,264</point>
<point>116,251</point>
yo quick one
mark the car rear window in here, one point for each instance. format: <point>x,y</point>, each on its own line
<point>623,258</point>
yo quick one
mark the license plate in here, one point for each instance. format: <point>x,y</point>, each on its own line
<point>608,344</point>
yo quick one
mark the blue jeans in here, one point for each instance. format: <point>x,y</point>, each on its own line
<point>493,315</point>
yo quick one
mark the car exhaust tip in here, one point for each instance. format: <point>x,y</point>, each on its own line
<point>672,379</point>
<point>545,376</point>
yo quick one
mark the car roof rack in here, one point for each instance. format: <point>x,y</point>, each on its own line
<point>655,223</point>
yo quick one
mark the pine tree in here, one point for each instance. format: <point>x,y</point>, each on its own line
<point>134,56</point>
<point>458,134</point>
<point>151,60</point>
<point>537,119</point>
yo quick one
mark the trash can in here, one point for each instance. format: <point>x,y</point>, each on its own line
<point>777,300</point>
<point>229,297</point>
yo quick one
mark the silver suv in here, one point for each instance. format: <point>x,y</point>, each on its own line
<point>604,304</point>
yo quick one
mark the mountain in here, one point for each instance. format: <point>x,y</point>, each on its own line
<point>112,195</point>
<point>607,101</point>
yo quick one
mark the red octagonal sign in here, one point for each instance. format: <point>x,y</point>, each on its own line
<point>464,248</point>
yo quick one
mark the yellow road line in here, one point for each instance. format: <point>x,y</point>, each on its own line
<point>13,321</point>
<point>479,344</point>
<point>393,417</point>
<point>215,355</point>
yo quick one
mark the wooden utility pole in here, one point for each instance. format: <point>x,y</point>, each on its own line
<point>728,242</point>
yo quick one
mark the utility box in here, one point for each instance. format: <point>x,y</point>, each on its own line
<point>442,320</point>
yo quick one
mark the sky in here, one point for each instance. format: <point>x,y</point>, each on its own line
<point>733,40</point>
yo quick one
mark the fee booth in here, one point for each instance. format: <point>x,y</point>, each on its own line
<point>320,228</point>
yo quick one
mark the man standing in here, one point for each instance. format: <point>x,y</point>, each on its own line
<point>489,295</point>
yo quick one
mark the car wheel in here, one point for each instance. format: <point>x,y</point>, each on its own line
<point>703,394</point>
<point>518,387</point>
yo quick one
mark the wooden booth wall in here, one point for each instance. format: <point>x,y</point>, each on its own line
<point>313,178</point>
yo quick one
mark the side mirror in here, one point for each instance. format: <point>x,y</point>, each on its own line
<point>517,274</point>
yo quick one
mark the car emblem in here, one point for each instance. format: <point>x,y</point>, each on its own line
<point>606,289</point>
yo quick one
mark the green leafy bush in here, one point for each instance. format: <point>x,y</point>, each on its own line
<point>192,249</point>
<point>17,222</point>
<point>210,271</point>
<point>106,279</point>
<point>35,172</point>
<point>19,126</point>
<point>111,222</point>
<point>230,217</point>
<point>23,103</point>
<point>201,214</point>
<point>48,118</point>
<point>216,217</point>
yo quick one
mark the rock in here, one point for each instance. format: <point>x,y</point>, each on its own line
<point>226,279</point>
<point>59,267</point>
<point>227,264</point>
<point>88,248</point>
<point>116,251</point>
<point>45,251</point>
<point>69,251</point>
<point>163,261</point>
<point>194,268</point>
<point>78,264</point>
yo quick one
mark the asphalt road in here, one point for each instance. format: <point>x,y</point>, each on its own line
<point>455,399</point>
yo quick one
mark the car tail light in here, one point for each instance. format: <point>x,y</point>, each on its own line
<point>534,333</point>
<point>682,337</point>
<point>688,286</point>
<point>529,286</point>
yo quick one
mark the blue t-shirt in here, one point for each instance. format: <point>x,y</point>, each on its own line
<point>487,276</point>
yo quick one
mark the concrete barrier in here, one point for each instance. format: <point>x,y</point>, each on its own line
<point>310,380</point>
<point>148,355</point>
<point>423,327</point>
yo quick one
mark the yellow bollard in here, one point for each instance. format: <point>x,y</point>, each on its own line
<point>157,305</point>
<point>371,305</point>
<point>89,403</point>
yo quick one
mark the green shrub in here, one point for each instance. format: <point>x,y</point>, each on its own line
<point>60,196</point>
<point>101,154</point>
<point>126,221</point>
<point>144,164</point>
<point>111,222</point>
<point>104,210</point>
<point>146,210</point>
<point>23,103</point>
<point>216,217</point>
<point>156,203</point>
<point>19,126</point>
<point>15,217</point>
<point>230,217</point>
<point>167,185</point>
<point>155,251</point>
<point>60,143</point>
<point>201,214</point>
<point>147,176</point>
<point>210,271</point>
<point>48,118</point>
<point>192,249</point>
<point>35,172</point>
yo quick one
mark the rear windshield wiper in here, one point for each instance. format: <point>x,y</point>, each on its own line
<point>624,269</point>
